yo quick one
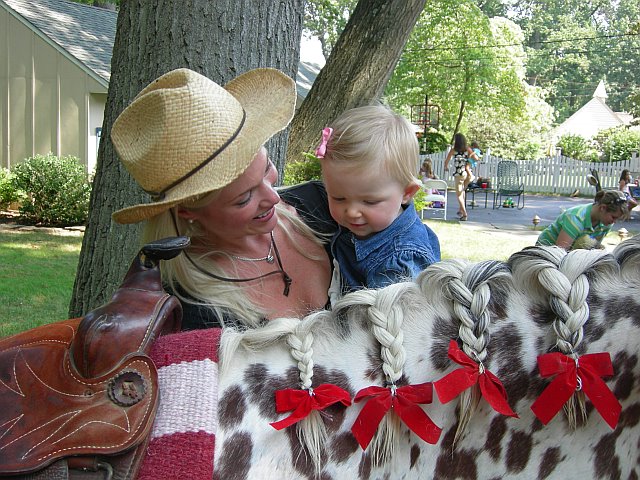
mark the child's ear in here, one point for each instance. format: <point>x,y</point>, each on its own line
<point>409,192</point>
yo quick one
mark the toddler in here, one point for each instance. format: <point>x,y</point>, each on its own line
<point>369,159</point>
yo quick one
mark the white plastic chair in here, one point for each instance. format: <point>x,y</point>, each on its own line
<point>429,187</point>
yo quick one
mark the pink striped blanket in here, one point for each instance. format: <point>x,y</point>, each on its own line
<point>183,436</point>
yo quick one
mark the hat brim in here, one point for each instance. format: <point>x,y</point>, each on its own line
<point>268,97</point>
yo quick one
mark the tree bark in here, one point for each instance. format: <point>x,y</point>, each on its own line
<point>219,39</point>
<point>358,68</point>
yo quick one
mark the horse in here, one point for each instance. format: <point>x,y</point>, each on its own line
<point>520,369</point>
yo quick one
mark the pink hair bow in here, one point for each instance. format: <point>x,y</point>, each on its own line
<point>322,148</point>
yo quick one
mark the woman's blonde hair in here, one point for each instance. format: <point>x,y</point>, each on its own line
<point>193,286</point>
<point>377,139</point>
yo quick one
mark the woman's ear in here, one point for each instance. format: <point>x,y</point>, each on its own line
<point>409,192</point>
<point>185,213</point>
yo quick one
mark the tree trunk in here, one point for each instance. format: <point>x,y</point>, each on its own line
<point>358,68</point>
<point>219,39</point>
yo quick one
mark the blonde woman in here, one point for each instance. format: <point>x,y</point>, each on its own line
<point>198,149</point>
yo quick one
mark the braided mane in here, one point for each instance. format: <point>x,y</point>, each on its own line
<point>501,315</point>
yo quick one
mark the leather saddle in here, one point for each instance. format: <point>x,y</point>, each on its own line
<point>78,397</point>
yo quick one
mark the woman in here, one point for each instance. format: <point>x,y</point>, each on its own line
<point>585,226</point>
<point>461,153</point>
<point>625,181</point>
<point>198,150</point>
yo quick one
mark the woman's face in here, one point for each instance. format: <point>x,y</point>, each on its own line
<point>607,217</point>
<point>244,207</point>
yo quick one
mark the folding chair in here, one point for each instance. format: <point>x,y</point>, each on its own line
<point>508,184</point>
<point>435,202</point>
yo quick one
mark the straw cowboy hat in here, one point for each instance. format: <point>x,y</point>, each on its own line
<point>184,135</point>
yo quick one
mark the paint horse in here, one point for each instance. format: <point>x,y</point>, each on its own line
<point>524,369</point>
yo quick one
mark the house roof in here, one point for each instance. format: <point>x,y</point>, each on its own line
<point>87,33</point>
<point>83,32</point>
<point>592,117</point>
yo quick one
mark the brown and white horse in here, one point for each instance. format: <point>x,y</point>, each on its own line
<point>524,369</point>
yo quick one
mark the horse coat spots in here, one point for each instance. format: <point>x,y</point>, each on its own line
<point>502,316</point>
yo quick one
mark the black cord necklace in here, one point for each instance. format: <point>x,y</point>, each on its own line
<point>285,278</point>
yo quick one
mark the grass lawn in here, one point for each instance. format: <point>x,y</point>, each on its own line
<point>37,269</point>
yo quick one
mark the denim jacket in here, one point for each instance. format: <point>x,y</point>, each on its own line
<point>397,253</point>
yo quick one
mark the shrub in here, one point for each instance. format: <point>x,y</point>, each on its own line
<point>57,190</point>
<point>8,192</point>
<point>418,200</point>
<point>573,146</point>
<point>432,142</point>
<point>619,144</point>
<point>298,172</point>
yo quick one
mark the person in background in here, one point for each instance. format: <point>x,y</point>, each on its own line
<point>197,149</point>
<point>426,170</point>
<point>625,181</point>
<point>461,153</point>
<point>368,157</point>
<point>585,226</point>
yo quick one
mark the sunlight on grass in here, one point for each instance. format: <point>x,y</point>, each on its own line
<point>37,271</point>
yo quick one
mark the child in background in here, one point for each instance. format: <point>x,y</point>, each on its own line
<point>369,157</point>
<point>426,170</point>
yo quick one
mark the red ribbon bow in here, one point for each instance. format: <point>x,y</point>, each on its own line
<point>405,402</point>
<point>453,384</point>
<point>302,402</point>
<point>573,374</point>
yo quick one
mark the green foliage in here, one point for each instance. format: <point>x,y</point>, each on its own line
<point>325,20</point>
<point>432,142</point>
<point>573,44</point>
<point>298,172</point>
<point>8,192</point>
<point>56,190</point>
<point>465,61</point>
<point>418,200</point>
<point>619,144</point>
<point>573,146</point>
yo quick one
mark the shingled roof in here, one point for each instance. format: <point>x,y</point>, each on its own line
<point>83,32</point>
<point>87,33</point>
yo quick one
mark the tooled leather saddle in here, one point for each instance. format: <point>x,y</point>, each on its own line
<point>78,397</point>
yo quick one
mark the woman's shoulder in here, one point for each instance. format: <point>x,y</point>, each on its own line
<point>310,201</point>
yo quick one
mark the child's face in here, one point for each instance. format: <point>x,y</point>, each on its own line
<point>362,202</point>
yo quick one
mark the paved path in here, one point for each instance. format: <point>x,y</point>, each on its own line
<point>545,206</point>
<point>512,221</point>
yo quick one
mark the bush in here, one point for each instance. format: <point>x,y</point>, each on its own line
<point>298,172</point>
<point>419,200</point>
<point>8,192</point>
<point>619,144</point>
<point>432,142</point>
<point>57,190</point>
<point>573,146</point>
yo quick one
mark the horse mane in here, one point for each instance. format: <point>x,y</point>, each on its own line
<point>465,302</point>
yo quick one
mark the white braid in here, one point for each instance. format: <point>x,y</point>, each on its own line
<point>311,430</point>
<point>564,276</point>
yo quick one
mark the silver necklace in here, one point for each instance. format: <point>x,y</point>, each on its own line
<point>268,258</point>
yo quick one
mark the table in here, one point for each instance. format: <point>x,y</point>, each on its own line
<point>480,191</point>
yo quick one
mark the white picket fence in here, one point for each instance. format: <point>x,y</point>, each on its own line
<point>549,175</point>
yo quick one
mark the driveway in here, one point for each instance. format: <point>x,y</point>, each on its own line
<point>519,222</point>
